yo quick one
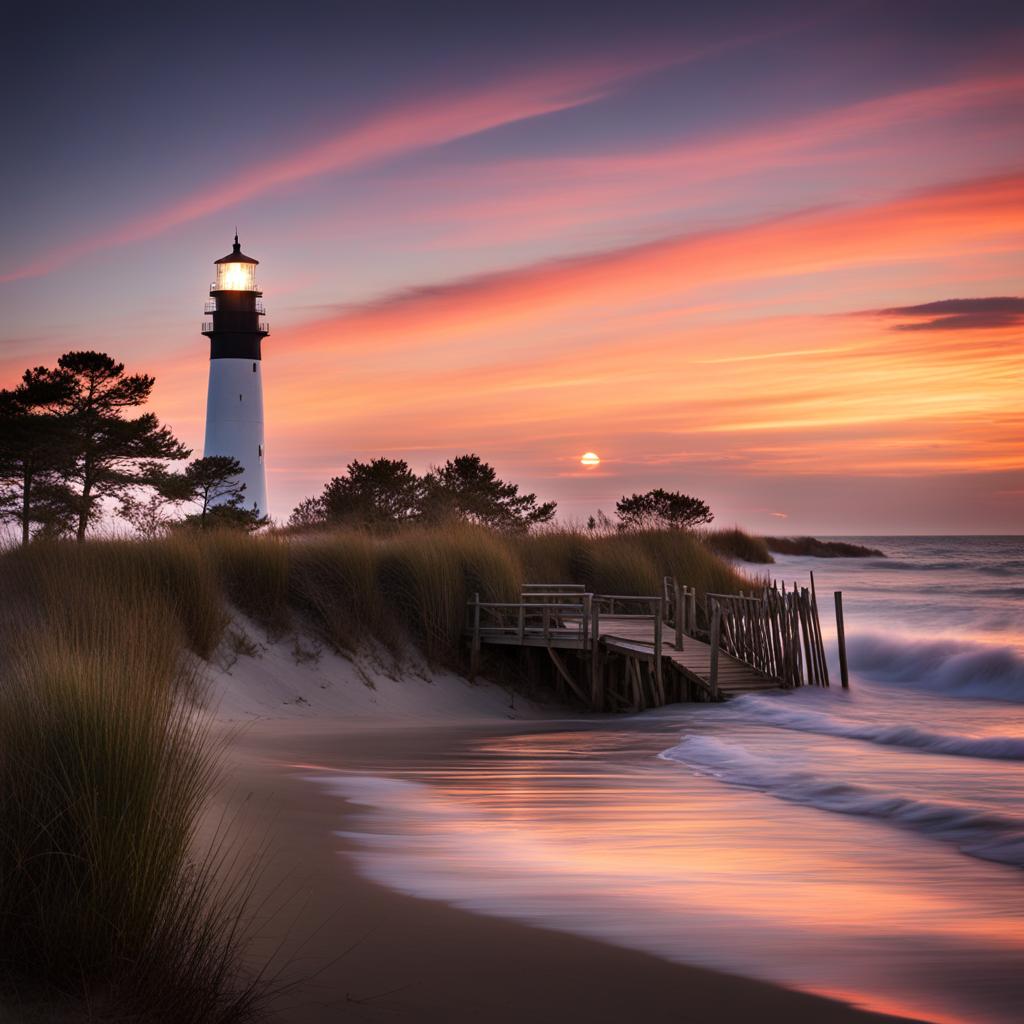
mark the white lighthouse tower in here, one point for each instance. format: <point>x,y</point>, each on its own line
<point>234,401</point>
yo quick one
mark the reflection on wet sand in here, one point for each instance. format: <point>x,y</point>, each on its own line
<point>585,830</point>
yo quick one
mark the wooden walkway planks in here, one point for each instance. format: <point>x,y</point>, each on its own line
<point>694,660</point>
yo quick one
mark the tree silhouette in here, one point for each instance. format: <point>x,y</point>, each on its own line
<point>33,449</point>
<point>661,509</point>
<point>376,494</point>
<point>108,452</point>
<point>211,484</point>
<point>385,493</point>
<point>468,488</point>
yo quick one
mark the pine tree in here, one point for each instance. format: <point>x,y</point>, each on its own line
<point>34,448</point>
<point>109,453</point>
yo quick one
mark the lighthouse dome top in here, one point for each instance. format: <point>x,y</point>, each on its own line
<point>236,255</point>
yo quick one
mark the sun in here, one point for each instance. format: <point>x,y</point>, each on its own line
<point>590,459</point>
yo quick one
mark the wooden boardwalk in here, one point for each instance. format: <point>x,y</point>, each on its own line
<point>734,677</point>
<point>622,652</point>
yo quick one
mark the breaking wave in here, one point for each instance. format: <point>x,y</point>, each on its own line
<point>952,667</point>
<point>778,712</point>
<point>979,833</point>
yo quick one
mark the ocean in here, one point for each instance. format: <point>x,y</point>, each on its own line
<point>865,844</point>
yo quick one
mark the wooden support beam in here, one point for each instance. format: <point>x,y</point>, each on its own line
<point>633,671</point>
<point>716,622</point>
<point>566,674</point>
<point>659,684</point>
<point>596,668</point>
<point>474,651</point>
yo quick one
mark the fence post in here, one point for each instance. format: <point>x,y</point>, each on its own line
<point>474,653</point>
<point>844,672</point>
<point>716,623</point>
<point>691,607</point>
<point>596,677</point>
<point>819,643</point>
<point>680,612</point>
<point>658,679</point>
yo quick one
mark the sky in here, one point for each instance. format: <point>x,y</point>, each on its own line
<point>767,254</point>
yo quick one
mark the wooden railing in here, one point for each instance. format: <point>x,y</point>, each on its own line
<point>540,615</point>
<point>680,608</point>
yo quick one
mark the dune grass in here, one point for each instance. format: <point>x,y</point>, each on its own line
<point>410,586</point>
<point>735,543</point>
<point>105,769</point>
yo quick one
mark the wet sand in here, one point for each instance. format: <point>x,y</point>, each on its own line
<point>351,949</point>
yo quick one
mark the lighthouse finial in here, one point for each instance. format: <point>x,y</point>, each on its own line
<point>236,238</point>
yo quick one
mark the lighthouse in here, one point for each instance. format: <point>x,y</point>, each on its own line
<point>234,400</point>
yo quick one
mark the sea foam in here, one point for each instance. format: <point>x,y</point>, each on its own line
<point>980,833</point>
<point>779,712</point>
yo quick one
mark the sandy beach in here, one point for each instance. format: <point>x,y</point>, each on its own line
<point>348,948</point>
<point>353,949</point>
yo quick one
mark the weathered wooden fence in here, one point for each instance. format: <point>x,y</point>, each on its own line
<point>776,632</point>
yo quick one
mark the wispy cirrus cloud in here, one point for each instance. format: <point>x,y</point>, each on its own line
<point>515,199</point>
<point>419,124</point>
<point>984,215</point>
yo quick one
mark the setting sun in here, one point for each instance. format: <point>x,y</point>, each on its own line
<point>590,459</point>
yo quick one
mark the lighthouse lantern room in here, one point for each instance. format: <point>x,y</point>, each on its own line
<point>234,400</point>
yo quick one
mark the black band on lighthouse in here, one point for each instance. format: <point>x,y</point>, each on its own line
<point>235,346</point>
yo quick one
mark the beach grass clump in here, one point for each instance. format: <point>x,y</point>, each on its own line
<point>174,568</point>
<point>105,769</point>
<point>684,555</point>
<point>736,543</point>
<point>429,575</point>
<point>254,574</point>
<point>562,555</point>
<point>333,583</point>
<point>622,564</point>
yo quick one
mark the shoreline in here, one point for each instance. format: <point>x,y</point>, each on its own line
<point>345,942</point>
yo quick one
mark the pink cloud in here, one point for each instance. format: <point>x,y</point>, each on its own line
<point>417,125</point>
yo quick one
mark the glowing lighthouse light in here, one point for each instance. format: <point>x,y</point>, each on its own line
<point>590,459</point>
<point>236,277</point>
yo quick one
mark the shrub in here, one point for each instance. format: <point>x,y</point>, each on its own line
<point>821,548</point>
<point>735,543</point>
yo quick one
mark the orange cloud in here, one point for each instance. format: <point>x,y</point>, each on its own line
<point>974,217</point>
